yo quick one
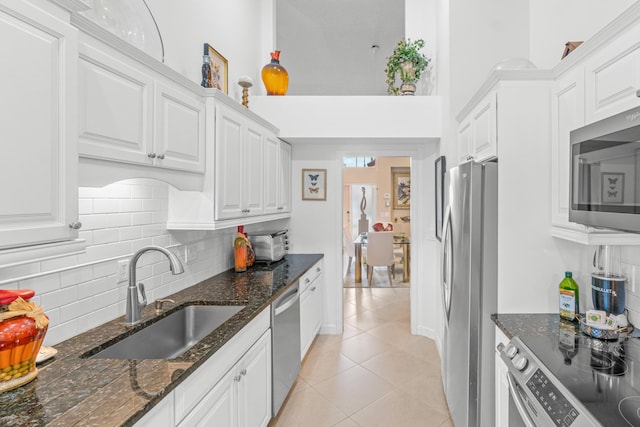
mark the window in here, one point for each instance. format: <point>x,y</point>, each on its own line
<point>359,162</point>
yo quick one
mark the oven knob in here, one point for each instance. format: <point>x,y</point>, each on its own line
<point>520,362</point>
<point>511,351</point>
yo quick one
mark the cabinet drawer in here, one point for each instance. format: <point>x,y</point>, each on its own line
<point>311,275</point>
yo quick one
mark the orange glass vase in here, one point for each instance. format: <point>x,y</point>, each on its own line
<point>274,76</point>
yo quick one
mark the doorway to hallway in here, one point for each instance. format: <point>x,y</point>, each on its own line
<point>376,197</point>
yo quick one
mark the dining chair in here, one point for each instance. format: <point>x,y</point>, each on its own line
<point>349,247</point>
<point>380,253</point>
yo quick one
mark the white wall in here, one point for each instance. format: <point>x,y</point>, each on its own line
<point>553,23</point>
<point>240,30</point>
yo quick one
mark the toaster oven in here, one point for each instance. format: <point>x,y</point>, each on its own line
<point>269,246</point>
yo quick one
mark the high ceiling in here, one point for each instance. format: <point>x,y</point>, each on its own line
<point>327,45</point>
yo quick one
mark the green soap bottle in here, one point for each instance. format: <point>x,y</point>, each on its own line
<point>569,298</point>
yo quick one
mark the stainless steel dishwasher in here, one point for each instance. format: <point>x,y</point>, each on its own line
<point>285,344</point>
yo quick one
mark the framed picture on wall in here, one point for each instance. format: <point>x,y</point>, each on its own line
<point>218,70</point>
<point>441,168</point>
<point>401,185</point>
<point>314,184</point>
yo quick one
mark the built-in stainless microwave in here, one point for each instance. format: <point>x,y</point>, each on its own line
<point>605,173</point>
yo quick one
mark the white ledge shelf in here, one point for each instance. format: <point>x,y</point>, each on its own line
<point>593,236</point>
<point>339,119</point>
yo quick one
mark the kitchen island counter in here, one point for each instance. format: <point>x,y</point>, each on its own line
<point>73,390</point>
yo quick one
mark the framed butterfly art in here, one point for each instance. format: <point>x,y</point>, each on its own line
<point>314,184</point>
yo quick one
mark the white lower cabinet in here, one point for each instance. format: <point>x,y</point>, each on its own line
<point>311,306</point>
<point>233,387</point>
<point>501,384</point>
<point>161,415</point>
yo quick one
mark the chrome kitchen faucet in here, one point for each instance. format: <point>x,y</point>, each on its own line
<point>132,314</point>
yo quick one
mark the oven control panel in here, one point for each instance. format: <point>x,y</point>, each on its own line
<point>561,412</point>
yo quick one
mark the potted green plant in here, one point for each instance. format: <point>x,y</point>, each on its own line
<point>408,63</point>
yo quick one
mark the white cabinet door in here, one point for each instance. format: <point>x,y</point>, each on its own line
<point>252,169</point>
<point>179,129</point>
<point>115,108</point>
<point>38,168</point>
<point>162,415</point>
<point>284,195</point>
<point>464,141</point>
<point>477,132</point>
<point>613,77</point>
<point>311,306</point>
<point>254,385</point>
<point>567,114</point>
<point>484,141</point>
<point>228,160</point>
<point>271,174</point>
<point>217,408</point>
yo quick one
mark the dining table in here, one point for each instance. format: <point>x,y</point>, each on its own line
<point>398,239</point>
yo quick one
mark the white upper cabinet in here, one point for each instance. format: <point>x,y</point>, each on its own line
<point>132,114</point>
<point>38,168</point>
<point>248,172</point>
<point>612,81</point>
<point>477,132</point>
<point>179,128</point>
<point>567,114</point>
<point>284,179</point>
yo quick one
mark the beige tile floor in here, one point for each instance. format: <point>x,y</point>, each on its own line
<point>375,374</point>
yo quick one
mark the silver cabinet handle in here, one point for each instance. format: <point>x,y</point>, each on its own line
<point>237,378</point>
<point>151,155</point>
<point>243,372</point>
<point>306,280</point>
<point>318,269</point>
<point>246,210</point>
<point>161,156</point>
<point>76,225</point>
<point>313,289</point>
<point>638,93</point>
<point>280,208</point>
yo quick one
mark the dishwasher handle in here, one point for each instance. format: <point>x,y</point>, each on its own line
<point>286,301</point>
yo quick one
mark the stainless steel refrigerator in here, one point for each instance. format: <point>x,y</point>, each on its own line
<point>469,288</point>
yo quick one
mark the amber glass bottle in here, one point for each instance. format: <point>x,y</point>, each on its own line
<point>274,76</point>
<point>240,251</point>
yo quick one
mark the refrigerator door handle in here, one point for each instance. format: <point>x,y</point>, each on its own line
<point>447,263</point>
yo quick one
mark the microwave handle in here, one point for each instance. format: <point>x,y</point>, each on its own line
<point>526,418</point>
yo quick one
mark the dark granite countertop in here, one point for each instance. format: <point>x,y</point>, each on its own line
<point>71,390</point>
<point>528,324</point>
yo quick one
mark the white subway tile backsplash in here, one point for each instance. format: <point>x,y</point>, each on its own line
<point>75,276</point>
<point>59,297</point>
<point>130,205</point>
<point>76,309</point>
<point>80,292</point>
<point>85,206</point>
<point>106,206</point>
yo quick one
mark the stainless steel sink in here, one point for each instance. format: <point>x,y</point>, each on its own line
<point>170,337</point>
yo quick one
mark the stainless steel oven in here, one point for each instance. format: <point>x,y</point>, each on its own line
<point>569,379</point>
